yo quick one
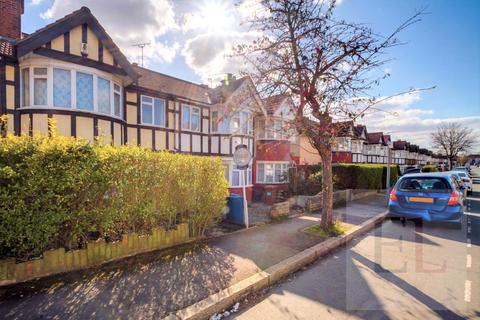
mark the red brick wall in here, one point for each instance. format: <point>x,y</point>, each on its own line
<point>341,157</point>
<point>239,191</point>
<point>10,18</point>
<point>273,151</point>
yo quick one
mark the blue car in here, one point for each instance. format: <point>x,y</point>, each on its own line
<point>427,196</point>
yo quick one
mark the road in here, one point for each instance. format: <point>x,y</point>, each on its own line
<point>394,272</point>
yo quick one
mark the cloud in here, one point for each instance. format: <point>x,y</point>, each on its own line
<point>36,2</point>
<point>400,117</point>
<point>129,22</point>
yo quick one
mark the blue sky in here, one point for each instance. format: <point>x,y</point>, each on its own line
<point>442,50</point>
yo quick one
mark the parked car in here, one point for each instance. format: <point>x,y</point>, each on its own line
<point>466,181</point>
<point>427,196</point>
<point>464,169</point>
<point>456,177</point>
<point>412,170</point>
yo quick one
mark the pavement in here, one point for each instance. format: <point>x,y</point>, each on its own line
<point>429,271</point>
<point>156,284</point>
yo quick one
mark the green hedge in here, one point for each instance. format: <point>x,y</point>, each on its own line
<point>364,176</point>
<point>60,192</point>
<point>429,168</point>
<point>307,180</point>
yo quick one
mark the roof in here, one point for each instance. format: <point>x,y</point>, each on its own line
<point>359,130</point>
<point>386,139</point>
<point>343,128</point>
<point>6,47</point>
<point>221,93</point>
<point>167,84</point>
<point>62,25</point>
<point>375,137</point>
<point>272,103</point>
<point>399,145</point>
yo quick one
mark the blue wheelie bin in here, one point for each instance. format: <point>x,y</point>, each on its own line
<point>235,209</point>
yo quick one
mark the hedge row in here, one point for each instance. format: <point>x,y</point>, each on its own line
<point>429,168</point>
<point>364,176</point>
<point>307,180</point>
<point>60,192</point>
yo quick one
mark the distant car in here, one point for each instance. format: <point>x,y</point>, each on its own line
<point>427,196</point>
<point>464,169</point>
<point>456,177</point>
<point>466,181</point>
<point>412,170</point>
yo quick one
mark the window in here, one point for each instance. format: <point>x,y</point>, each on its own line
<point>238,176</point>
<point>25,87</point>
<point>84,91</point>
<point>272,172</point>
<point>40,86</point>
<point>117,100</point>
<point>62,88</point>
<point>215,121</point>
<point>244,122</point>
<point>153,111</point>
<point>190,118</point>
<point>103,95</point>
<point>424,184</point>
<point>271,129</point>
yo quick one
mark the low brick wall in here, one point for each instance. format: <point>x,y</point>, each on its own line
<point>96,253</point>
<point>280,209</point>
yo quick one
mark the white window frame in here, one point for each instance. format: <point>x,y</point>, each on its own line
<point>73,68</point>
<point>269,131</point>
<point>230,170</point>
<point>184,106</point>
<point>153,111</point>
<point>33,76</point>
<point>262,180</point>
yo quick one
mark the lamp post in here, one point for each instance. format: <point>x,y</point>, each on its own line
<point>242,158</point>
<point>389,161</point>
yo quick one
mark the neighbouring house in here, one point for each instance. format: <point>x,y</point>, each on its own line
<point>342,149</point>
<point>273,149</point>
<point>399,152</point>
<point>376,148</point>
<point>304,153</point>
<point>72,71</point>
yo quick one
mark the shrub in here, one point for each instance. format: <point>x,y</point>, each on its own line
<point>429,168</point>
<point>346,176</point>
<point>60,191</point>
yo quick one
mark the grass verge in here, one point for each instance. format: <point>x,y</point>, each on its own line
<point>337,229</point>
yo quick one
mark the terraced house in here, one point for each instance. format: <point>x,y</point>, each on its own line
<point>72,71</point>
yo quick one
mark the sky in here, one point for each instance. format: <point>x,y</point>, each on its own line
<point>191,39</point>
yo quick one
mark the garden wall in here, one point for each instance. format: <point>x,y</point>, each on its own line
<point>96,253</point>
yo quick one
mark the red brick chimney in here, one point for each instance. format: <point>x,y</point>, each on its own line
<point>10,18</point>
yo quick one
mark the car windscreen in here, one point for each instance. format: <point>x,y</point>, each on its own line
<point>424,184</point>
<point>463,175</point>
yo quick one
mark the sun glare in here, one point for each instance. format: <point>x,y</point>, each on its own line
<point>215,16</point>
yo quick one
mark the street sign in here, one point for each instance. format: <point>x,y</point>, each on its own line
<point>242,156</point>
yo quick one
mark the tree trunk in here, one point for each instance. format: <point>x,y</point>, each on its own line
<point>327,187</point>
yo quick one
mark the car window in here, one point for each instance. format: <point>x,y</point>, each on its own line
<point>424,184</point>
<point>461,174</point>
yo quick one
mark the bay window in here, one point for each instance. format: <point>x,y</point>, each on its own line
<point>25,87</point>
<point>62,95</point>
<point>272,172</point>
<point>40,84</point>
<point>190,118</point>
<point>271,129</point>
<point>84,91</point>
<point>61,87</point>
<point>238,176</point>
<point>153,111</point>
<point>117,98</point>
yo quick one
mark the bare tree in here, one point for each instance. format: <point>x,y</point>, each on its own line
<point>326,65</point>
<point>452,139</point>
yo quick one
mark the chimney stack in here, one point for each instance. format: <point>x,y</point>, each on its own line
<point>10,18</point>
